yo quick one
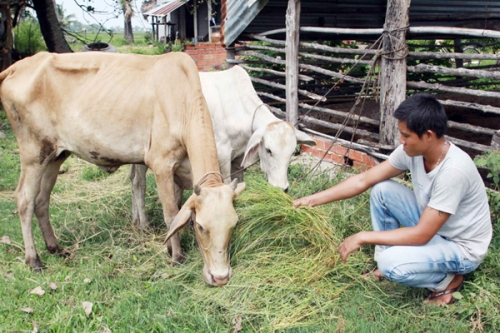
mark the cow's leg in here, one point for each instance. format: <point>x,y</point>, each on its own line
<point>166,192</point>
<point>138,184</point>
<point>42,204</point>
<point>175,239</point>
<point>237,170</point>
<point>25,194</point>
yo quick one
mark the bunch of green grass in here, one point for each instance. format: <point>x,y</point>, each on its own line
<point>286,269</point>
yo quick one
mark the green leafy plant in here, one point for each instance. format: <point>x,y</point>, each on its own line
<point>28,37</point>
<point>491,161</point>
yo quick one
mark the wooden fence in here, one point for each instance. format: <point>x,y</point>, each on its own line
<point>339,84</point>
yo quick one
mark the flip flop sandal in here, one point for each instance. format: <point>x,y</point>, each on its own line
<point>372,276</point>
<point>433,295</point>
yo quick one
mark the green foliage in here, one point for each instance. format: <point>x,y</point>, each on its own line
<point>28,37</point>
<point>93,173</point>
<point>9,156</point>
<point>491,161</point>
<point>147,37</point>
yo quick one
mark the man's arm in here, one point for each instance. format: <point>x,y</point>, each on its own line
<point>429,224</point>
<point>350,187</point>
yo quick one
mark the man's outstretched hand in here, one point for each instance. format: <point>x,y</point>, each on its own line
<point>349,245</point>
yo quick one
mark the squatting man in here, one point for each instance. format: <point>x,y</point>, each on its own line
<point>428,237</point>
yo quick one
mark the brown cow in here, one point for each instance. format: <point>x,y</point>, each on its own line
<point>114,109</point>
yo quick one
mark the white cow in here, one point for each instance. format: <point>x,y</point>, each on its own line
<point>245,130</point>
<point>112,109</point>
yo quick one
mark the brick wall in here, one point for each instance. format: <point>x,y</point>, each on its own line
<point>339,154</point>
<point>207,56</point>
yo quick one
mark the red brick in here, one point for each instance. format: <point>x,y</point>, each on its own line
<point>306,149</point>
<point>360,165</point>
<point>338,149</point>
<point>356,155</point>
<point>370,160</point>
<point>320,144</point>
<point>209,56</point>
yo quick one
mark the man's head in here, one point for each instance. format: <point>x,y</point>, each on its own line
<point>422,112</point>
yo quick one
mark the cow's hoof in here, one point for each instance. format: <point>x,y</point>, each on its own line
<point>64,253</point>
<point>178,260</point>
<point>36,264</point>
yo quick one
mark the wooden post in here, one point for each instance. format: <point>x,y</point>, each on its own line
<point>292,61</point>
<point>209,8</point>
<point>153,28</point>
<point>195,20</point>
<point>393,72</point>
<point>230,54</point>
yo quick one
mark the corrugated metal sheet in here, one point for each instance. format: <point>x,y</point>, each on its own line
<point>236,16</point>
<point>270,15</point>
<point>165,9</point>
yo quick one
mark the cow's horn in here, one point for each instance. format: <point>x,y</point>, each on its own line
<point>197,189</point>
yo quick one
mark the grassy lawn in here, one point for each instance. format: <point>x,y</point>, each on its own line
<point>287,276</point>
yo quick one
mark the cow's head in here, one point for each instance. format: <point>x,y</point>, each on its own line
<point>274,144</point>
<point>214,217</point>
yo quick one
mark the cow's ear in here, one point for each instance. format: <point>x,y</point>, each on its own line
<point>237,187</point>
<point>252,149</point>
<point>182,218</point>
<point>304,139</point>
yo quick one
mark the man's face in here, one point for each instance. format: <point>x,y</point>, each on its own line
<point>412,144</point>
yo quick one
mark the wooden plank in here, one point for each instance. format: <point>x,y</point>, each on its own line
<point>339,127</point>
<point>348,144</point>
<point>467,105</point>
<point>278,73</point>
<point>482,33</point>
<point>281,86</point>
<point>472,145</point>
<point>440,87</point>
<point>422,68</point>
<point>344,114</point>
<point>470,128</point>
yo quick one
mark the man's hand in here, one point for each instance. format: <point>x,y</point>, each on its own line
<point>304,201</point>
<point>349,245</point>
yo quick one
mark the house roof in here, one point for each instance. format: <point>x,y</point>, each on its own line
<point>257,16</point>
<point>164,9</point>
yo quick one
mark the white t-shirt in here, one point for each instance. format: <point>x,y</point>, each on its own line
<point>453,187</point>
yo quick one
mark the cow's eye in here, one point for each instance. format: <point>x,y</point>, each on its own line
<point>200,228</point>
<point>269,151</point>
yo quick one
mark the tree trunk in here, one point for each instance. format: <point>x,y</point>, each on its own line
<point>5,37</point>
<point>128,12</point>
<point>50,27</point>
<point>393,73</point>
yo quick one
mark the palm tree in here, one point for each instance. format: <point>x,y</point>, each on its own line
<point>64,20</point>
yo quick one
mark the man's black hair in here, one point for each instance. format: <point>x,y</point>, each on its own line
<point>423,112</point>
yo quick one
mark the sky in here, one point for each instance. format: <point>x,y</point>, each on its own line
<point>105,12</point>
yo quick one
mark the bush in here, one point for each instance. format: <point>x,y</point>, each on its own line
<point>491,161</point>
<point>28,38</point>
